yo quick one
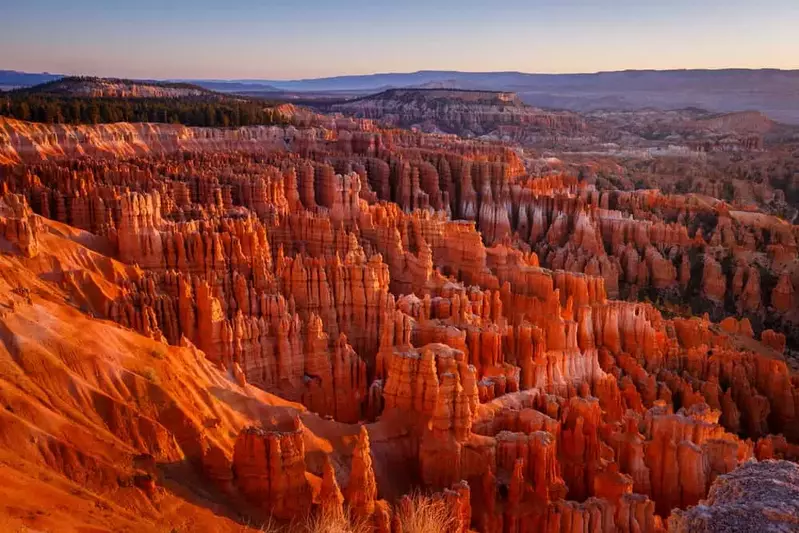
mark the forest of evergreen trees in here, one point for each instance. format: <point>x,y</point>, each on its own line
<point>56,109</point>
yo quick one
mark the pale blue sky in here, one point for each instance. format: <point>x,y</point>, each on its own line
<point>283,39</point>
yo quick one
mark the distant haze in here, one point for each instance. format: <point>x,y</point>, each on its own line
<point>287,39</point>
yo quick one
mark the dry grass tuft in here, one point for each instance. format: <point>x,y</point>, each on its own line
<point>424,514</point>
<point>318,522</point>
<point>416,513</point>
<point>331,522</point>
<point>271,527</point>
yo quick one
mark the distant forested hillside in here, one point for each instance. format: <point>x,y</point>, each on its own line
<point>54,109</point>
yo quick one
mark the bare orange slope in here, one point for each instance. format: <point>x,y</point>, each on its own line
<point>86,403</point>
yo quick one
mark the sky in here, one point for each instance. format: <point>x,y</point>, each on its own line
<point>291,39</point>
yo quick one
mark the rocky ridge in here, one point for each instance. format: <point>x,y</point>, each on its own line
<point>502,116</point>
<point>91,87</point>
<point>465,113</point>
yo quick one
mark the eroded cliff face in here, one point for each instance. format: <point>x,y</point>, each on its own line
<point>464,113</point>
<point>687,135</point>
<point>393,311</point>
<point>32,141</point>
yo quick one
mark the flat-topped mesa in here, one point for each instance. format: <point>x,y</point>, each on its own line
<point>269,470</point>
<point>479,97</point>
<point>464,112</point>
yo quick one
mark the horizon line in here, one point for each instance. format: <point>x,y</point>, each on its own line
<point>421,71</point>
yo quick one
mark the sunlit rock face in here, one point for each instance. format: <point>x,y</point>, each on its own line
<point>320,319</point>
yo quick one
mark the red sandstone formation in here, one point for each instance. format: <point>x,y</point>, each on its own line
<point>330,498</point>
<point>361,490</point>
<point>18,226</point>
<point>269,470</point>
<point>319,317</point>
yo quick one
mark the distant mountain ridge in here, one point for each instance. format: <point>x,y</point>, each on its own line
<point>14,78</point>
<point>771,91</point>
<point>506,80</point>
<point>233,86</point>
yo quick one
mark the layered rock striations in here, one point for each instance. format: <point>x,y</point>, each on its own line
<point>465,113</point>
<point>434,311</point>
<point>269,469</point>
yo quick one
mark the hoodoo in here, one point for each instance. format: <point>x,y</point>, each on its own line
<point>498,320</point>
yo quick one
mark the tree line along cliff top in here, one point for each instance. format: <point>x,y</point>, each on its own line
<point>87,100</point>
<point>96,86</point>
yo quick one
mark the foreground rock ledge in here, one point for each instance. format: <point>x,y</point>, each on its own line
<point>757,497</point>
